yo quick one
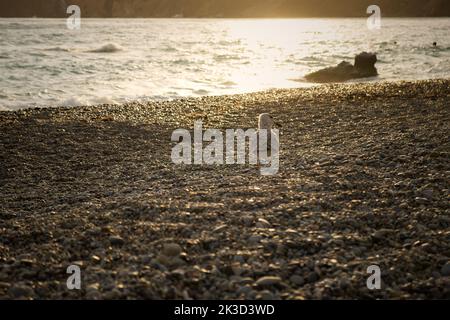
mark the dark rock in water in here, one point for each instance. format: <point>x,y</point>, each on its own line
<point>365,63</point>
<point>364,67</point>
<point>342,72</point>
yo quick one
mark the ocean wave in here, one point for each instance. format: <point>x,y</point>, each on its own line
<point>108,48</point>
<point>169,49</point>
<point>183,62</point>
<point>230,42</point>
<point>37,54</point>
<point>73,102</point>
<point>228,83</point>
<point>104,100</point>
<point>226,57</point>
<point>58,49</point>
<point>4,109</point>
<point>200,92</point>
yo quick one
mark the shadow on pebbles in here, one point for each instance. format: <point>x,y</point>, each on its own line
<point>363,181</point>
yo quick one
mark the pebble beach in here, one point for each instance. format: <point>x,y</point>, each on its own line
<point>363,180</point>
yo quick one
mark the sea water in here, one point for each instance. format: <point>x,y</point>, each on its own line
<point>43,63</point>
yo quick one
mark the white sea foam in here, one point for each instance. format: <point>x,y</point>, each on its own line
<point>108,48</point>
<point>60,49</point>
<point>83,101</point>
<point>104,100</point>
<point>73,102</point>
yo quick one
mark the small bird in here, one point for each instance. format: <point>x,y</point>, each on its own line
<point>265,121</point>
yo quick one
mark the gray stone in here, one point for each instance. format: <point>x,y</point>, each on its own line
<point>116,241</point>
<point>265,295</point>
<point>171,250</point>
<point>254,239</point>
<point>244,290</point>
<point>445,271</point>
<point>263,223</point>
<point>21,291</point>
<point>297,280</point>
<point>268,281</point>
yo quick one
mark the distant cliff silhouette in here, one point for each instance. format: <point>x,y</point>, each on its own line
<point>224,8</point>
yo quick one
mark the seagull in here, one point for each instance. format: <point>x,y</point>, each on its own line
<point>265,121</point>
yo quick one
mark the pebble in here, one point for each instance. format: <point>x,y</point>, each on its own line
<point>114,294</point>
<point>171,250</point>
<point>421,200</point>
<point>265,295</point>
<point>297,280</point>
<point>263,223</point>
<point>116,241</point>
<point>427,193</point>
<point>247,220</point>
<point>244,289</point>
<point>220,228</point>
<point>21,291</point>
<point>237,269</point>
<point>251,295</point>
<point>92,292</point>
<point>268,281</point>
<point>445,271</point>
<point>246,280</point>
<point>381,234</point>
<point>313,277</point>
<point>254,239</point>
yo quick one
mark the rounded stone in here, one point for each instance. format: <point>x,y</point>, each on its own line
<point>171,250</point>
<point>268,281</point>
